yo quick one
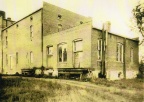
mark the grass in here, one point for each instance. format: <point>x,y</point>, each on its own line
<point>122,84</point>
<point>18,89</point>
<point>29,90</point>
<point>130,89</point>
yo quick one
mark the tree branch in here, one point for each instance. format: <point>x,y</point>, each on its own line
<point>141,42</point>
<point>141,32</point>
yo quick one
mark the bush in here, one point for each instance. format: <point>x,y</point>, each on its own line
<point>141,71</point>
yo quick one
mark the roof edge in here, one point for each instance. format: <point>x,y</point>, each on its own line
<point>22,19</point>
<point>134,39</point>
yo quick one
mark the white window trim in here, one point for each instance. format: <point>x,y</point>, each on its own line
<point>47,50</point>
<point>120,51</point>
<point>99,48</point>
<point>74,46</point>
<point>31,31</point>
<point>131,55</point>
<point>31,57</point>
<point>11,58</point>
<point>17,56</point>
<point>62,44</point>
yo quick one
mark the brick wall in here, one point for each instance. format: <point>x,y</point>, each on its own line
<point>114,67</point>
<point>83,32</point>
<point>0,44</point>
<point>56,19</point>
<point>19,41</point>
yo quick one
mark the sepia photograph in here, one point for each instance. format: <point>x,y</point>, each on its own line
<point>71,50</point>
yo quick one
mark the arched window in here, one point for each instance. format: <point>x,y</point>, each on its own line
<point>62,52</point>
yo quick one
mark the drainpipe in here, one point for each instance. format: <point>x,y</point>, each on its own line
<point>103,53</point>
<point>124,59</point>
<point>2,51</point>
<point>42,36</point>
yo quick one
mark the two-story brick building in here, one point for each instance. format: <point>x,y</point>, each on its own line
<point>57,38</point>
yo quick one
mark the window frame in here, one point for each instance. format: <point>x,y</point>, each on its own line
<point>63,46</point>
<point>17,58</point>
<point>120,52</point>
<point>6,59</point>
<point>99,48</point>
<point>131,54</point>
<point>31,31</point>
<point>6,42</point>
<point>31,57</point>
<point>74,45</point>
<point>48,50</point>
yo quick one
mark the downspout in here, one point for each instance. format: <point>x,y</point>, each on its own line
<point>124,60</point>
<point>103,53</point>
<point>2,45</point>
<point>42,35</point>
<point>2,51</point>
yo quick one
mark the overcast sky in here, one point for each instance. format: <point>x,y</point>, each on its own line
<point>118,12</point>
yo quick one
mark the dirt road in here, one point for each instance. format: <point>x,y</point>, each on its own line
<point>89,92</point>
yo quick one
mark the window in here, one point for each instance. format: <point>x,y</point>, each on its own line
<point>59,17</point>
<point>11,64</point>
<point>49,50</point>
<point>120,52</point>
<point>59,27</point>
<point>16,57</point>
<point>6,42</point>
<point>31,18</point>
<point>31,57</point>
<point>78,46</point>
<point>131,54</point>
<point>31,31</point>
<point>99,47</point>
<point>78,53</point>
<point>6,59</point>
<point>62,52</point>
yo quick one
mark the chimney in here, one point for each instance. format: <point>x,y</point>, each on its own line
<point>107,26</point>
<point>2,13</point>
<point>9,18</point>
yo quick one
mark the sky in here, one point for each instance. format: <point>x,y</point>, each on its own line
<point>118,12</point>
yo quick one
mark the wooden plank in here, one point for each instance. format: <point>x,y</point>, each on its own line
<point>69,72</point>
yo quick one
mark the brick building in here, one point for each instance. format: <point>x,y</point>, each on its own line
<point>59,39</point>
